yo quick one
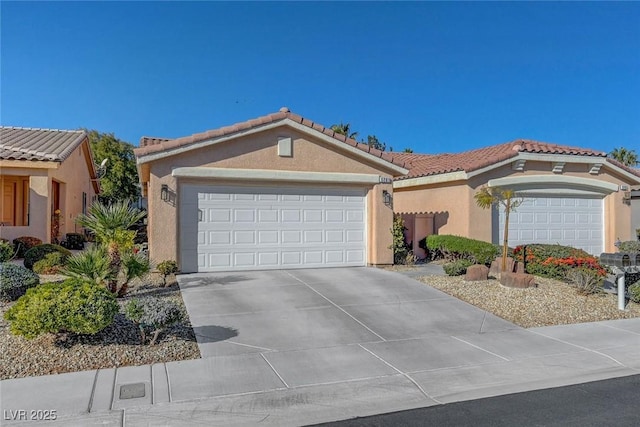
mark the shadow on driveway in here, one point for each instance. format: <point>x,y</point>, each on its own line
<point>213,333</point>
<point>195,281</point>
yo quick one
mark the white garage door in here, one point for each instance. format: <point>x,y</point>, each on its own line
<point>254,228</point>
<point>576,222</point>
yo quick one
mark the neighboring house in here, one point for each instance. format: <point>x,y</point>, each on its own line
<point>275,192</point>
<point>43,171</point>
<point>573,196</point>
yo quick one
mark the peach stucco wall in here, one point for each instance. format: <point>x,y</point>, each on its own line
<point>259,151</point>
<point>74,178</point>
<point>454,202</point>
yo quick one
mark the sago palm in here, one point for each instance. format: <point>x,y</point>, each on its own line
<point>110,223</point>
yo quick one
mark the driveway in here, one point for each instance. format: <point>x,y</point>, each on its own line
<point>309,310</point>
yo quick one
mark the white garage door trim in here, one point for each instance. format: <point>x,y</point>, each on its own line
<point>259,228</point>
<point>570,221</point>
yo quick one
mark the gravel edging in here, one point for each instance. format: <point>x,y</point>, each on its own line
<point>117,345</point>
<point>552,302</point>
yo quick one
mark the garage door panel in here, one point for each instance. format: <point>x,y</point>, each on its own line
<point>568,221</point>
<point>258,228</point>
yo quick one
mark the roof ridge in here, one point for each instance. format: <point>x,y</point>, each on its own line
<point>44,129</point>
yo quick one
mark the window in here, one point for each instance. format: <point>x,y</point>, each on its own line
<point>14,195</point>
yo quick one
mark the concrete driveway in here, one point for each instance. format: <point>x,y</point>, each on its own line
<point>359,310</point>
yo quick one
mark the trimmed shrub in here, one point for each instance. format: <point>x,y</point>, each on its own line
<point>456,247</point>
<point>22,244</point>
<point>51,264</point>
<point>167,268</point>
<point>458,267</point>
<point>71,306</point>
<point>634,292</point>
<point>6,251</point>
<point>38,253</point>
<point>153,313</point>
<point>554,261</point>
<point>587,281</point>
<point>74,241</point>
<point>91,265</point>
<point>15,280</point>
<point>630,246</point>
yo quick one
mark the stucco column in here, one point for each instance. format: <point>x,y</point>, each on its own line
<point>39,209</point>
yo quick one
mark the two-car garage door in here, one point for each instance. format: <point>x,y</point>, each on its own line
<point>226,228</point>
<point>571,221</point>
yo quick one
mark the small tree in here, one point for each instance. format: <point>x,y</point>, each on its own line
<point>399,246</point>
<point>487,197</point>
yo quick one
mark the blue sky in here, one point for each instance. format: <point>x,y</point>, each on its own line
<point>436,77</point>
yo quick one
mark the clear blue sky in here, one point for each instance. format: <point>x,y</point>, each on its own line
<point>436,77</point>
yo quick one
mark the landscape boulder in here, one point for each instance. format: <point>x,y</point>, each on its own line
<point>512,266</point>
<point>476,272</point>
<point>517,280</point>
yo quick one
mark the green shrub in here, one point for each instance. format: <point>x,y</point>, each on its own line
<point>153,313</point>
<point>586,280</point>
<point>6,251</point>
<point>23,244</point>
<point>167,268</point>
<point>456,247</point>
<point>399,246</point>
<point>15,280</point>
<point>38,253</point>
<point>74,241</point>
<point>458,267</point>
<point>52,263</point>
<point>554,261</point>
<point>91,265</point>
<point>71,306</point>
<point>630,246</point>
<point>634,292</point>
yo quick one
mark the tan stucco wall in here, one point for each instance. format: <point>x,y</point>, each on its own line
<point>72,174</point>
<point>455,202</point>
<point>259,151</point>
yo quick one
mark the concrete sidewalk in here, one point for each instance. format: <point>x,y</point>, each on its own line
<point>395,370</point>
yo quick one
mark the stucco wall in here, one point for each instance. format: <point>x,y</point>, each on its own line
<point>74,178</point>
<point>455,201</point>
<point>259,151</point>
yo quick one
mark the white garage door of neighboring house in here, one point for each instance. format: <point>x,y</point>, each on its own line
<point>257,228</point>
<point>569,221</point>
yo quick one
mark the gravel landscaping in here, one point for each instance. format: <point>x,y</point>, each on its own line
<point>550,303</point>
<point>117,345</point>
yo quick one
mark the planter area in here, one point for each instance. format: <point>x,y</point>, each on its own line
<point>552,302</point>
<point>117,345</point>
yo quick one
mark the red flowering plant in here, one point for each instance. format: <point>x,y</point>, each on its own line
<point>555,260</point>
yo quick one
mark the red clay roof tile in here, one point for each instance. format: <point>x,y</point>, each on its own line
<point>429,164</point>
<point>149,145</point>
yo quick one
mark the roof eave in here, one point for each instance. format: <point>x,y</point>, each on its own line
<point>143,156</point>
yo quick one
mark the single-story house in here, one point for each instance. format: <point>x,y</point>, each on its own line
<point>279,191</point>
<point>47,179</point>
<point>572,196</point>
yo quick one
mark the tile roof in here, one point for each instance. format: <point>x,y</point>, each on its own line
<point>17,143</point>
<point>429,164</point>
<point>149,145</point>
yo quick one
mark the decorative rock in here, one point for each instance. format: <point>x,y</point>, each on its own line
<point>476,272</point>
<point>517,280</point>
<point>512,266</point>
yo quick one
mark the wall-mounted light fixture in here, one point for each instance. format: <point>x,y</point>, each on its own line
<point>387,198</point>
<point>164,192</point>
<point>626,197</point>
